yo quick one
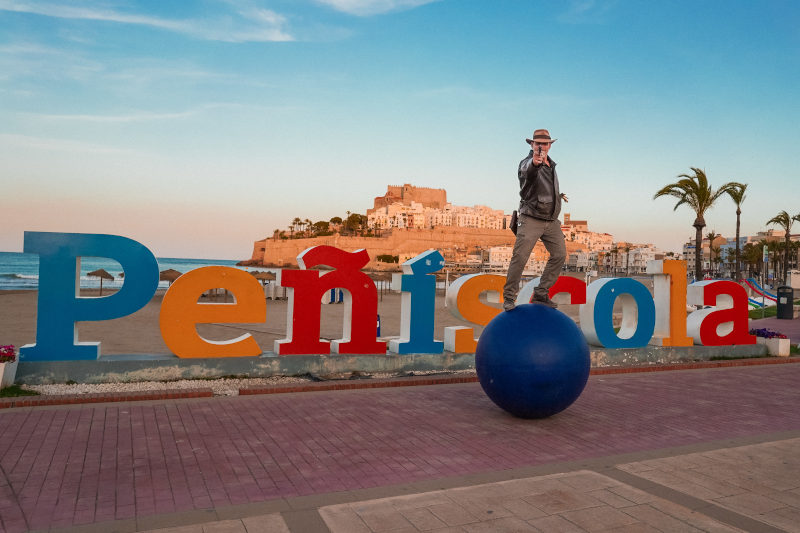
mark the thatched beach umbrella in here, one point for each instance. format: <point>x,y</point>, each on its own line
<point>102,274</point>
<point>381,278</point>
<point>169,275</point>
<point>263,277</point>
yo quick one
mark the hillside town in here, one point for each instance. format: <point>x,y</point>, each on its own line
<point>407,220</point>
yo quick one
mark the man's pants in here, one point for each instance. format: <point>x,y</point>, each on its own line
<point>529,231</point>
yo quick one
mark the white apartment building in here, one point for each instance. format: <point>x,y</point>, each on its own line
<point>708,266</point>
<point>625,258</point>
<point>613,261</point>
<point>592,240</point>
<point>597,251</point>
<point>499,257</point>
<point>398,215</point>
<point>639,256</point>
<point>439,217</point>
<point>578,261</point>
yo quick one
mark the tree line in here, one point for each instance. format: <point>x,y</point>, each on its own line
<point>695,191</point>
<point>352,224</point>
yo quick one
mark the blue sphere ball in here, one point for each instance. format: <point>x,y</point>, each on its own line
<point>532,361</point>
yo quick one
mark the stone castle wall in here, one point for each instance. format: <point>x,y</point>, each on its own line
<point>452,242</point>
<point>407,193</point>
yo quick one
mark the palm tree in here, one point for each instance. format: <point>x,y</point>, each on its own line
<point>695,192</point>
<point>772,251</point>
<point>780,266</point>
<point>794,246</point>
<point>712,235</point>
<point>627,260</point>
<point>751,253</point>
<point>730,259</point>
<point>785,221</point>
<point>716,253</point>
<point>296,223</point>
<point>614,251</point>
<point>737,194</point>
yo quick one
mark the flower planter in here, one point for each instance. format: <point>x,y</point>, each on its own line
<point>7,373</point>
<point>779,347</point>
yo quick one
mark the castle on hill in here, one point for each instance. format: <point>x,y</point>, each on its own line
<point>412,207</point>
<point>411,220</point>
<point>407,194</point>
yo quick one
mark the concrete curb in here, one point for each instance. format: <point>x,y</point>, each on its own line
<point>354,384</point>
<point>104,397</point>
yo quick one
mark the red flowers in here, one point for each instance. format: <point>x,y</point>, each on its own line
<point>7,354</point>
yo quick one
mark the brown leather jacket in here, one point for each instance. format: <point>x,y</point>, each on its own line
<point>539,194</point>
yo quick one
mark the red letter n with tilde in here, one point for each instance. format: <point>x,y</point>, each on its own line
<point>306,289</point>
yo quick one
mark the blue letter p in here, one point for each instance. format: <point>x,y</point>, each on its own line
<point>60,305</point>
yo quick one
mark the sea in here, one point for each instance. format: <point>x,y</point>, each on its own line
<point>20,271</point>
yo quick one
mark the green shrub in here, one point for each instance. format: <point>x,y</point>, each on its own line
<point>16,390</point>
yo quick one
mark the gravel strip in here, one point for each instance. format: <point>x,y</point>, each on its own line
<point>220,387</point>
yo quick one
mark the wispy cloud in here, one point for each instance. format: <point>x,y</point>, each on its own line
<point>246,22</point>
<point>140,116</point>
<point>18,60</point>
<point>55,144</point>
<point>365,8</point>
<point>26,62</point>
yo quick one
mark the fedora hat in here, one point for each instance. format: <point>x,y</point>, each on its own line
<point>542,136</point>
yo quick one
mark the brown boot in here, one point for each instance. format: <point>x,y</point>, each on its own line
<point>544,301</point>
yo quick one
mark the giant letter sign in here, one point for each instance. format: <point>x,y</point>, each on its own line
<point>661,319</point>
<point>306,288</point>
<point>180,312</point>
<point>726,323</point>
<point>418,285</point>
<point>60,305</point>
<point>669,293</point>
<point>563,285</point>
<point>597,313</point>
<point>464,303</point>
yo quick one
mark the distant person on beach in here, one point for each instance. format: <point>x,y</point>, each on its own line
<point>539,207</point>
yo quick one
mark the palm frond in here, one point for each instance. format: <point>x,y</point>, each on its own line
<point>737,192</point>
<point>782,219</point>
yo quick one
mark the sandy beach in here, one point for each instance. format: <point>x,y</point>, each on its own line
<point>140,332</point>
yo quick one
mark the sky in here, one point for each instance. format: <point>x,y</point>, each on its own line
<point>199,127</point>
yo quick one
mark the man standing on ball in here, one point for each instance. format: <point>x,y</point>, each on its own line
<point>539,207</point>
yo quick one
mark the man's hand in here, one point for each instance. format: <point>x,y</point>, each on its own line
<point>564,197</point>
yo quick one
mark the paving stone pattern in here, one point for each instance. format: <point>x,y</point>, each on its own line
<point>759,481</point>
<point>67,466</point>
<point>577,501</point>
<point>271,523</point>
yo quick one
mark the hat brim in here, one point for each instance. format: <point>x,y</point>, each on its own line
<point>551,141</point>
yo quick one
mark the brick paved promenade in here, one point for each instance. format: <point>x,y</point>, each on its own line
<point>438,458</point>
